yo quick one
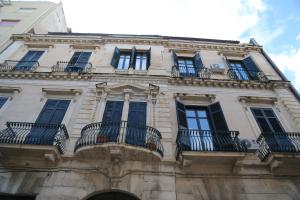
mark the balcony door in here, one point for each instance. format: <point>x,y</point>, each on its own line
<point>78,61</point>
<point>272,129</point>
<point>29,60</point>
<point>47,122</point>
<point>136,128</point>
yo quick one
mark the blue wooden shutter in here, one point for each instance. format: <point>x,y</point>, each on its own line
<point>197,61</point>
<point>2,101</point>
<point>217,117</point>
<point>132,57</point>
<point>251,67</point>
<point>181,118</point>
<point>148,58</point>
<point>53,112</point>
<point>78,61</point>
<point>116,57</point>
<point>29,60</point>
<point>175,58</point>
<point>136,127</point>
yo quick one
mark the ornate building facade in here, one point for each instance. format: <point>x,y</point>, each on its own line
<point>105,116</point>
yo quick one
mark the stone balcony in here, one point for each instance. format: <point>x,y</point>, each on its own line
<point>121,140</point>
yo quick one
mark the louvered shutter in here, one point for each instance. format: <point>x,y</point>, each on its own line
<point>148,58</point>
<point>197,61</point>
<point>217,117</point>
<point>27,62</point>
<point>2,101</point>
<point>251,67</point>
<point>132,57</point>
<point>181,118</point>
<point>116,57</point>
<point>175,58</point>
<point>83,60</point>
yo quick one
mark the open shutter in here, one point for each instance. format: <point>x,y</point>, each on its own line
<point>181,119</point>
<point>29,60</point>
<point>197,61</point>
<point>148,58</point>
<point>132,57</point>
<point>2,101</point>
<point>217,117</point>
<point>74,58</point>
<point>116,57</point>
<point>175,58</point>
<point>251,67</point>
<point>83,60</point>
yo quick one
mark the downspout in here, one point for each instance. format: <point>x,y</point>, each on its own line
<point>277,70</point>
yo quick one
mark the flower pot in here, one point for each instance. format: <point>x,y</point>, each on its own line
<point>102,139</point>
<point>151,146</point>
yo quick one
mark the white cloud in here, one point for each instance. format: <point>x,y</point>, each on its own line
<point>298,37</point>
<point>289,61</point>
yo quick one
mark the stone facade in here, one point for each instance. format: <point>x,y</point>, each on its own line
<point>42,171</point>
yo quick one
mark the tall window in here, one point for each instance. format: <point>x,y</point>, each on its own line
<point>186,66</point>
<point>197,118</point>
<point>267,120</point>
<point>239,70</point>
<point>29,60</point>
<point>78,61</point>
<point>124,59</point>
<point>245,69</point>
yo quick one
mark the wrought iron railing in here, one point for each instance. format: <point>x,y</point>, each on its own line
<point>120,132</point>
<point>198,140</point>
<point>80,67</point>
<point>180,71</point>
<point>35,134</point>
<point>288,142</point>
<point>246,75</point>
<point>17,65</point>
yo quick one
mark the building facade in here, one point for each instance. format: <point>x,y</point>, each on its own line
<point>104,116</point>
<point>17,17</point>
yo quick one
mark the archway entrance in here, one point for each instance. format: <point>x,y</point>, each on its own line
<point>113,195</point>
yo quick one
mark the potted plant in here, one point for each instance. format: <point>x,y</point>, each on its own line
<point>151,145</point>
<point>102,138</point>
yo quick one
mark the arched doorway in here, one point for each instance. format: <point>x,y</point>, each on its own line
<point>113,195</point>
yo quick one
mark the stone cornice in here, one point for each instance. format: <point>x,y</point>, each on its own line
<point>177,45</point>
<point>45,76</point>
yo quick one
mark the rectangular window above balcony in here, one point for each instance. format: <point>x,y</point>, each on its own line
<point>78,62</point>
<point>135,59</point>
<point>29,61</point>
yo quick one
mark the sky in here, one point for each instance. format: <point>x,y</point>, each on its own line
<point>275,24</point>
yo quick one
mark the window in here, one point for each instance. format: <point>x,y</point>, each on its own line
<point>26,10</point>
<point>78,62</point>
<point>29,60</point>
<point>125,59</point>
<point>188,66</point>
<point>244,69</point>
<point>267,120</point>
<point>2,101</point>
<point>198,123</point>
<point>8,22</point>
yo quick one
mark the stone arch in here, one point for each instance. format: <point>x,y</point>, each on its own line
<point>111,195</point>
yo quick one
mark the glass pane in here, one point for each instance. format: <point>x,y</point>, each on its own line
<point>190,113</point>
<point>121,61</point>
<point>181,62</point>
<point>204,124</point>
<point>144,64</point>
<point>264,125</point>
<point>257,112</point>
<point>275,125</point>
<point>126,64</point>
<point>269,113</point>
<point>192,123</point>
<point>202,113</point>
<point>189,62</point>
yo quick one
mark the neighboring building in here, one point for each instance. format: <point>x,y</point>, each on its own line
<point>18,17</point>
<point>104,116</point>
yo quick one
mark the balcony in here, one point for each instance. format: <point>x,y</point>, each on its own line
<point>78,67</point>
<point>246,75</point>
<point>191,72</point>
<point>281,151</point>
<point>120,139</point>
<point>26,141</point>
<point>209,147</point>
<point>17,65</point>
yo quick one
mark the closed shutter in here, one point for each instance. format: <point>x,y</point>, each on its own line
<point>29,60</point>
<point>148,58</point>
<point>78,61</point>
<point>181,118</point>
<point>136,127</point>
<point>175,58</point>
<point>217,117</point>
<point>132,57</point>
<point>116,57</point>
<point>251,67</point>
<point>53,112</point>
<point>197,61</point>
<point>2,101</point>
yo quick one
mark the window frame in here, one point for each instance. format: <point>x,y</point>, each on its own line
<point>196,109</point>
<point>186,66</point>
<point>242,70</point>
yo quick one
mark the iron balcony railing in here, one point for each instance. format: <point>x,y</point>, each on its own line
<point>35,134</point>
<point>246,75</point>
<point>16,65</point>
<point>80,67</point>
<point>198,140</point>
<point>182,71</point>
<point>284,142</point>
<point>120,132</point>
